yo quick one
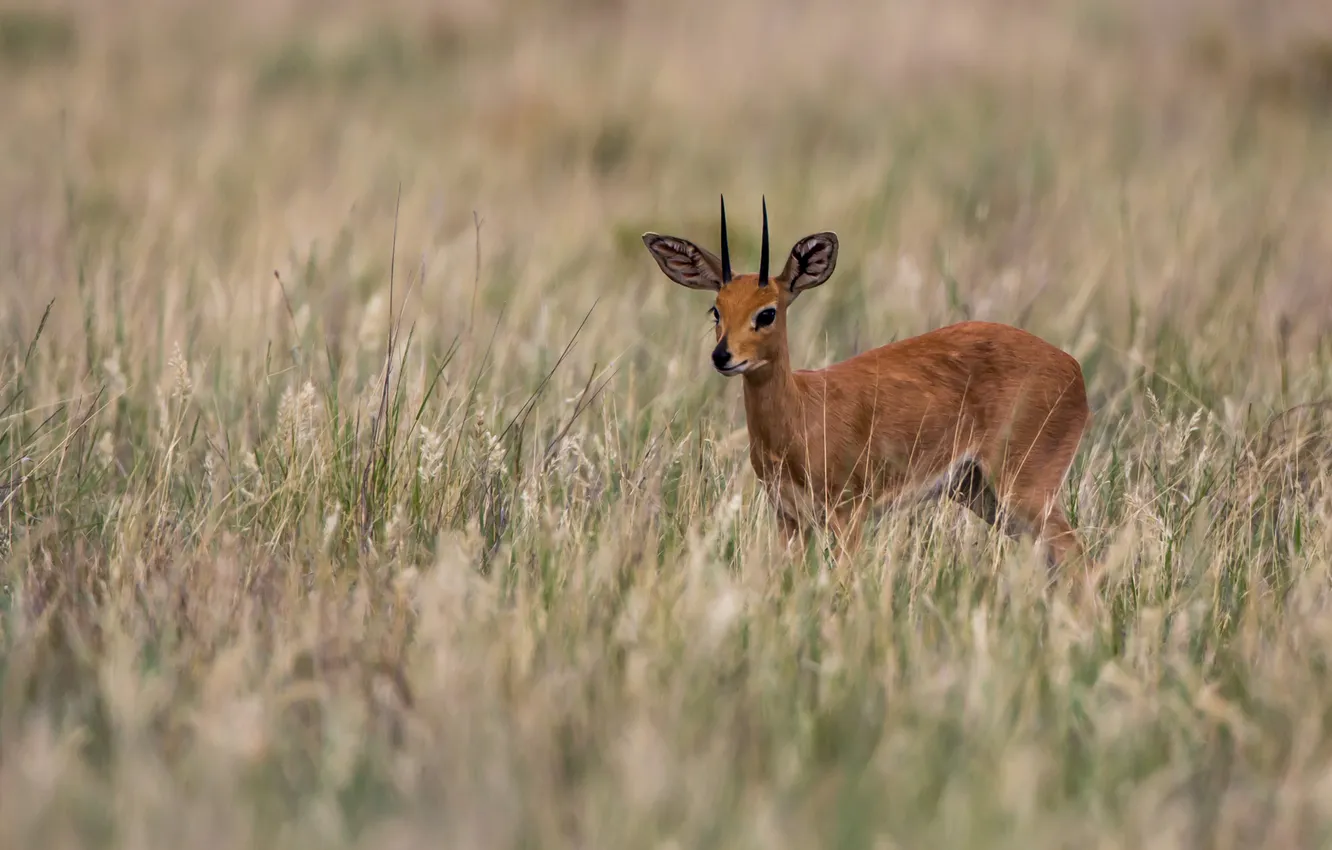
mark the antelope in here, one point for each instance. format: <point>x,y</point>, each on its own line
<point>985,414</point>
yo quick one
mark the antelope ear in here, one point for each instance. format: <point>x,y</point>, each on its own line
<point>684,262</point>
<point>811,263</point>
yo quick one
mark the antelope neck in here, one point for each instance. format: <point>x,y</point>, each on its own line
<point>772,403</point>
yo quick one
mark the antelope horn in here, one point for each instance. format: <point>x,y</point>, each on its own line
<point>725,246</point>
<point>763,256</point>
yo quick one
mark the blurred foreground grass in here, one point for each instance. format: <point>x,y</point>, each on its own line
<point>445,532</point>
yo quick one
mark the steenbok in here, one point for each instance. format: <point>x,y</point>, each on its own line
<point>983,413</point>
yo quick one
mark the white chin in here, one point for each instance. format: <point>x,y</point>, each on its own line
<point>742,368</point>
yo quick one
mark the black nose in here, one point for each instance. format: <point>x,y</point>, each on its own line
<point>721,355</point>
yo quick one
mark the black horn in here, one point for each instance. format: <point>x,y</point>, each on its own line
<point>725,246</point>
<point>763,255</point>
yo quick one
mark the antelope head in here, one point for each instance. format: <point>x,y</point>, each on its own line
<point>750,309</point>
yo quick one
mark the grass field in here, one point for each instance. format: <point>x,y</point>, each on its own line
<point>364,483</point>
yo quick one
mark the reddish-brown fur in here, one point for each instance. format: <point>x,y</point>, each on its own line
<point>984,413</point>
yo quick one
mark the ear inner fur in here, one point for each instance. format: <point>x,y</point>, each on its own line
<point>684,262</point>
<point>812,261</point>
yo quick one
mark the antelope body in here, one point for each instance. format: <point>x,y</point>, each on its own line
<point>986,414</point>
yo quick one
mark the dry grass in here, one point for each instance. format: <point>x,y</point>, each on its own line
<point>525,593</point>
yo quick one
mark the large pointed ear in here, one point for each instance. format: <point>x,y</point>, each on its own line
<point>684,262</point>
<point>811,263</point>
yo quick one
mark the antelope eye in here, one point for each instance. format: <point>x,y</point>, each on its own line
<point>765,317</point>
<point>716,317</point>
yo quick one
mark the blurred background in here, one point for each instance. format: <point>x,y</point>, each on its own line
<point>1077,165</point>
<point>534,599</point>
